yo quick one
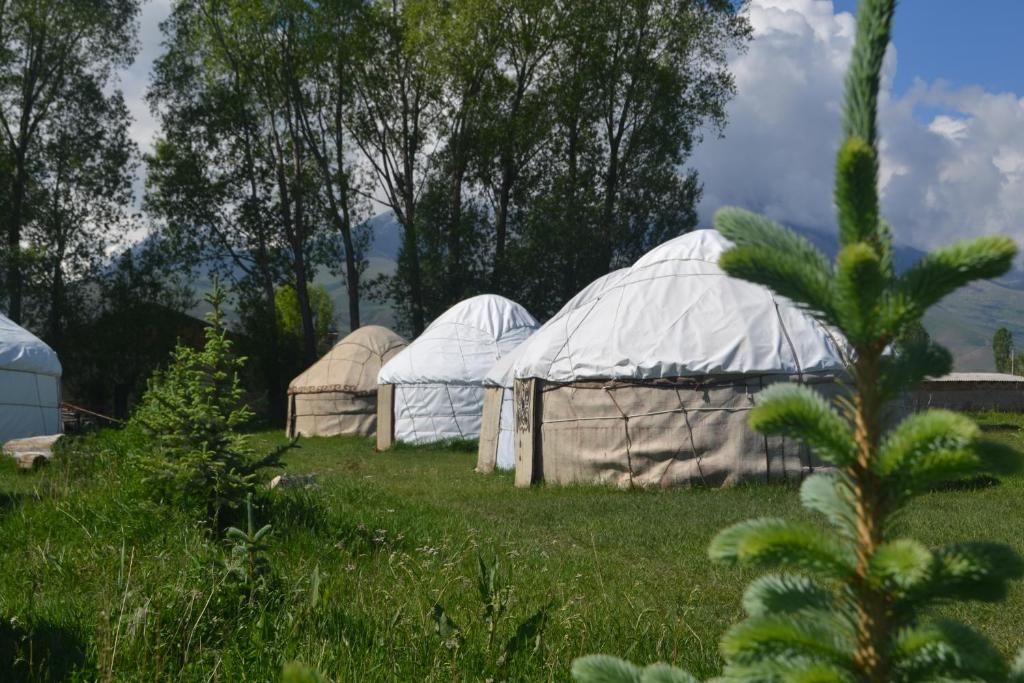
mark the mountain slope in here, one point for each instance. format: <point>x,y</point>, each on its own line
<point>964,322</point>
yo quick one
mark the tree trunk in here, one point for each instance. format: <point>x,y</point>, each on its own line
<point>456,268</point>
<point>14,278</point>
<point>611,189</point>
<point>351,268</point>
<point>501,225</point>
<point>271,365</point>
<point>55,324</point>
<point>411,249</point>
<point>301,273</point>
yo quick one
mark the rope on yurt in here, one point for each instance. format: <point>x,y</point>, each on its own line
<point>799,371</point>
<point>405,408</point>
<point>455,417</point>
<point>693,444</point>
<point>629,441</point>
<point>39,402</point>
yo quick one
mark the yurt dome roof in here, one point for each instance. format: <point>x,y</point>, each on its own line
<point>675,313</point>
<point>461,345</point>
<point>503,372</point>
<point>22,351</point>
<point>352,364</point>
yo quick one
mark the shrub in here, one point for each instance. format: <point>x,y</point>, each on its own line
<point>193,410</point>
<point>850,604</point>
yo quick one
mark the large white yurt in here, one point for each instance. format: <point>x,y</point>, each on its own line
<point>497,430</point>
<point>650,382</point>
<point>29,384</point>
<point>338,394</point>
<point>433,389</point>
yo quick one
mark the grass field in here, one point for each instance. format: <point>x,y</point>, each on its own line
<point>96,583</point>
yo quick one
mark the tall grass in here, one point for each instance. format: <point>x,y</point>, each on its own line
<point>96,583</point>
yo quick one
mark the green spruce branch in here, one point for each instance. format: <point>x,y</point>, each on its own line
<point>849,603</point>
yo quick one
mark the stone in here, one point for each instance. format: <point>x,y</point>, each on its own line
<point>31,451</point>
<point>291,481</point>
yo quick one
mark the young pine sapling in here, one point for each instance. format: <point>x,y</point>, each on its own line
<point>850,604</point>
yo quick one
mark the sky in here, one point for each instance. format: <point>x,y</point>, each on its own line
<point>951,117</point>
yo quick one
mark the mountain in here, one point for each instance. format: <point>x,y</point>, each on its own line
<point>963,322</point>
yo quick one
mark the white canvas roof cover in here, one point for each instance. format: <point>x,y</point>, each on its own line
<point>438,378</point>
<point>29,384</point>
<point>675,313</point>
<point>502,375</point>
<point>503,372</point>
<point>22,351</point>
<point>462,344</point>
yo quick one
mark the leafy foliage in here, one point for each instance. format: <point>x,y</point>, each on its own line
<point>1002,350</point>
<point>194,410</point>
<point>867,620</point>
<point>65,153</point>
<point>289,317</point>
<point>248,564</point>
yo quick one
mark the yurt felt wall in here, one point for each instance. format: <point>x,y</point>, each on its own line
<point>29,384</point>
<point>660,434</point>
<point>338,394</point>
<point>650,383</point>
<point>438,378</point>
<point>497,433</point>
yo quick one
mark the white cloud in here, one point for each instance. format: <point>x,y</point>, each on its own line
<point>135,79</point>
<point>961,173</point>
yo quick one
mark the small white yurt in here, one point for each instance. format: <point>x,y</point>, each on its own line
<point>338,394</point>
<point>497,430</point>
<point>29,384</point>
<point>433,389</point>
<point>650,383</point>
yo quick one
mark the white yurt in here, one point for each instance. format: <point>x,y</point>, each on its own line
<point>433,389</point>
<point>497,430</point>
<point>29,384</point>
<point>651,381</point>
<point>338,394</point>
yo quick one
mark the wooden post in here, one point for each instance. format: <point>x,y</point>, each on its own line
<point>527,396</point>
<point>289,425</point>
<point>385,416</point>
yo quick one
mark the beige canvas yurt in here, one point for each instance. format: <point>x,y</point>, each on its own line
<point>338,394</point>
<point>651,382</point>
<point>433,390</point>
<point>496,449</point>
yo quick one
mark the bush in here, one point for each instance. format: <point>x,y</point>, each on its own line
<point>194,410</point>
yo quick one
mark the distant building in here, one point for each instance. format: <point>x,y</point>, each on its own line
<point>107,368</point>
<point>971,391</point>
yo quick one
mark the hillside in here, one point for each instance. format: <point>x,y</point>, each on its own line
<point>964,323</point>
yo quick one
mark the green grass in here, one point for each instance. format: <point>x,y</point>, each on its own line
<point>97,583</point>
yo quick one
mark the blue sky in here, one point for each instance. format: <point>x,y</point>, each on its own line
<point>963,42</point>
<point>951,118</point>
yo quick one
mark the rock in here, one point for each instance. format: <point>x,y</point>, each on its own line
<point>31,451</point>
<point>291,481</point>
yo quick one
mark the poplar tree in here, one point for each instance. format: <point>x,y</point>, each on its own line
<point>850,602</point>
<point>51,52</point>
<point>1002,349</point>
